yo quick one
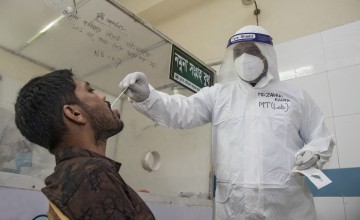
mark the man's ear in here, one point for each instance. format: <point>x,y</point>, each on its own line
<point>74,113</point>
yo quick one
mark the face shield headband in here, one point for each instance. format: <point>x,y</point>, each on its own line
<point>250,37</point>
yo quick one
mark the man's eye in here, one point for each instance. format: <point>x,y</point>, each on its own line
<point>252,51</point>
<point>91,90</point>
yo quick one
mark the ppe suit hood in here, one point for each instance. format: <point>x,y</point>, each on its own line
<point>260,37</point>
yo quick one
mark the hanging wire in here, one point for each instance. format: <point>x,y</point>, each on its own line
<point>256,13</point>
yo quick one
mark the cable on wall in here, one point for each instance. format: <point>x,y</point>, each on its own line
<point>256,13</point>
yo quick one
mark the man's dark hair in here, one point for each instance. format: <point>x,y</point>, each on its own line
<point>38,107</point>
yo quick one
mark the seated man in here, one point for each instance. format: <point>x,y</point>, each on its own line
<point>65,116</point>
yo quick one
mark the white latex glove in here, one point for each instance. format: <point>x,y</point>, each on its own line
<point>136,85</point>
<point>306,159</point>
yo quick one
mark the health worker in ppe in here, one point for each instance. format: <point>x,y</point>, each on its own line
<point>261,129</point>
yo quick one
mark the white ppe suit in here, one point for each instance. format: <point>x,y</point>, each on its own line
<point>256,132</point>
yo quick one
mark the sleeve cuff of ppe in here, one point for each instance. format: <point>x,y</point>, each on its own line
<point>324,156</point>
<point>150,106</point>
<point>143,104</point>
<point>310,148</point>
<point>307,148</point>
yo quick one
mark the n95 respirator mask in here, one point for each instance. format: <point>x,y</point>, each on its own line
<point>248,67</point>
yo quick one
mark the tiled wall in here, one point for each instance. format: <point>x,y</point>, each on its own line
<point>327,66</point>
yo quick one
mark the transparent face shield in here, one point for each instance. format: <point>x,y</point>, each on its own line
<point>248,57</point>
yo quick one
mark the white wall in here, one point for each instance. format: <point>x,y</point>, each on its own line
<point>21,204</point>
<point>327,66</point>
<point>185,155</point>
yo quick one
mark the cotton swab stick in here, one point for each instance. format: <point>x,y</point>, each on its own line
<point>118,97</point>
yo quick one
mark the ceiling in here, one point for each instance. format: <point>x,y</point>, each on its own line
<point>159,11</point>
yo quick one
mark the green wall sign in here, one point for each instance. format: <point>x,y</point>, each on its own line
<point>188,72</point>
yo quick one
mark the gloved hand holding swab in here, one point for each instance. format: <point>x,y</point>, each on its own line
<point>138,86</point>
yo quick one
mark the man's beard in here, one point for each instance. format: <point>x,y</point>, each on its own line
<point>104,126</point>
